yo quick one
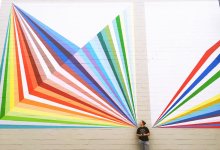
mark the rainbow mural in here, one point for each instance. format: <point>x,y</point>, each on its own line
<point>49,82</point>
<point>202,113</point>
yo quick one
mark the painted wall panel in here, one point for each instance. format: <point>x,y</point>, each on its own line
<point>183,53</point>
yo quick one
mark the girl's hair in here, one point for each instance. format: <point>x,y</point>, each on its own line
<point>143,122</point>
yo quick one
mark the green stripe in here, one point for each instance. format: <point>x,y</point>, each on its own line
<point>5,81</point>
<point>202,87</point>
<point>30,119</point>
<point>113,66</point>
<point>118,21</point>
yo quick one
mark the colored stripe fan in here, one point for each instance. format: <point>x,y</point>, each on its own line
<point>47,81</point>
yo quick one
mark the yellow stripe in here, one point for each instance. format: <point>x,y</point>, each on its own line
<point>10,86</point>
<point>212,101</point>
